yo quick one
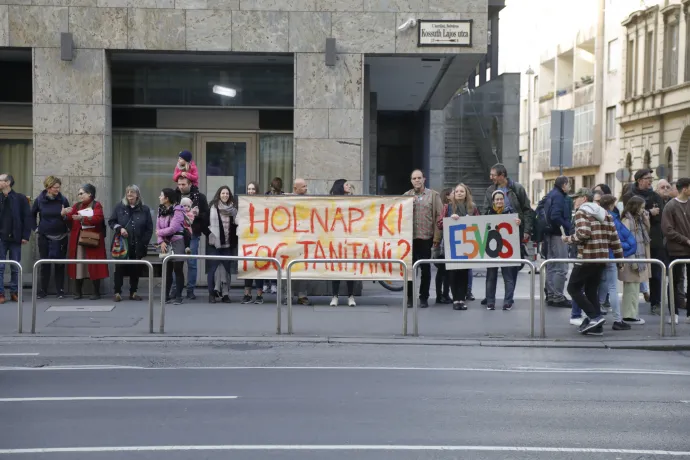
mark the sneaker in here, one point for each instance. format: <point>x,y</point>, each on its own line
<point>259,300</point>
<point>134,296</point>
<point>423,303</point>
<point>484,302</point>
<point>226,299</point>
<point>117,298</point>
<point>668,320</point>
<point>303,301</point>
<point>2,299</point>
<point>266,288</point>
<point>590,324</point>
<point>603,311</point>
<point>187,251</point>
<point>621,326</point>
<point>441,300</point>
<point>459,306</point>
<point>508,307</point>
<point>470,297</point>
<point>212,298</point>
<point>41,295</point>
<point>447,299</point>
<point>563,303</point>
<point>177,301</point>
<point>351,301</point>
<point>655,310</point>
<point>14,297</point>
<point>409,303</point>
<point>274,290</point>
<point>576,321</point>
<point>491,307</point>
<point>334,301</point>
<point>190,295</point>
<point>61,295</point>
<point>597,330</point>
<point>631,321</point>
<point>246,299</point>
<point>95,297</point>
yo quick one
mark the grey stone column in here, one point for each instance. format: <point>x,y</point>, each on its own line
<point>72,126</point>
<point>329,122</point>
<point>437,149</point>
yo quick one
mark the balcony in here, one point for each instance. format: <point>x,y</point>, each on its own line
<point>584,94</point>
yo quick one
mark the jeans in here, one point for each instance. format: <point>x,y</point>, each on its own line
<point>556,273</point>
<point>575,310</point>
<point>655,280</point>
<point>442,277</point>
<point>15,252</point>
<point>134,272</point>
<point>470,275</point>
<point>583,287</point>
<point>213,265</point>
<point>421,249</point>
<point>679,285</point>
<point>191,266</point>
<point>509,278</point>
<point>609,285</point>
<point>350,287</point>
<point>458,284</point>
<point>52,249</point>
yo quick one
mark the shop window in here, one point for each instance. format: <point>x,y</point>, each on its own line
<point>588,181</point>
<point>611,181</point>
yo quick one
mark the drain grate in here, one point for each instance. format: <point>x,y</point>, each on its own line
<point>88,308</point>
<point>94,322</point>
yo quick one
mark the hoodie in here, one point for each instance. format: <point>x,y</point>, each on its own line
<point>595,233</point>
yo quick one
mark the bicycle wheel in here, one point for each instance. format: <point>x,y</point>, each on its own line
<point>395,286</point>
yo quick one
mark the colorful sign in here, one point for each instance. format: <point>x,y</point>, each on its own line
<point>494,237</point>
<point>290,227</point>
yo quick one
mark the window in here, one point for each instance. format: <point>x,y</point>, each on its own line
<point>647,160</point>
<point>275,160</point>
<point>536,88</point>
<point>549,185</point>
<point>610,180</point>
<point>543,144</point>
<point>669,164</point>
<point>649,62</point>
<point>588,181</point>
<point>630,69</point>
<point>687,47</point>
<point>671,54</point>
<point>628,166</point>
<point>611,123</point>
<point>584,128</point>
<point>614,55</point>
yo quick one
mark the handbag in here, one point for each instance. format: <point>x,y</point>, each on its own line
<point>119,249</point>
<point>89,238</point>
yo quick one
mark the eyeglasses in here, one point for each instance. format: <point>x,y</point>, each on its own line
<point>647,178</point>
<point>665,187</point>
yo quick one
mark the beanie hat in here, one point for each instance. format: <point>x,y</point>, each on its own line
<point>186,155</point>
<point>186,202</point>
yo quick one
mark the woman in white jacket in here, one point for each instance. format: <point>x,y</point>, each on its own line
<point>222,215</point>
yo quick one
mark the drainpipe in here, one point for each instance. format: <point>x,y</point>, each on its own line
<point>599,83</point>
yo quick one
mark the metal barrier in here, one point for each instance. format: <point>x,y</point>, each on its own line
<point>219,258</point>
<point>542,281</point>
<point>364,261</point>
<point>34,291</point>
<point>20,278</point>
<point>500,262</point>
<point>671,292</point>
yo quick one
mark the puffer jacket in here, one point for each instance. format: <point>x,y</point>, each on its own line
<point>627,238</point>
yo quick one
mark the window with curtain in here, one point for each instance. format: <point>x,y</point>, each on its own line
<point>148,160</point>
<point>671,54</point>
<point>275,160</point>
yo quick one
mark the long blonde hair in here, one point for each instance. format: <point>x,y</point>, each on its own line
<point>469,201</point>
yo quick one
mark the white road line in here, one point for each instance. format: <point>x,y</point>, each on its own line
<point>298,447</point>
<point>114,398</point>
<point>19,354</point>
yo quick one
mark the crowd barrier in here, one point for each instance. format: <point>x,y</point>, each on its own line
<point>672,293</point>
<point>34,288</point>
<point>20,304</point>
<point>366,261</point>
<point>515,262</point>
<point>542,281</point>
<point>218,258</point>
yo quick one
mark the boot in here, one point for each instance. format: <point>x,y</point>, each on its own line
<point>96,290</point>
<point>78,285</point>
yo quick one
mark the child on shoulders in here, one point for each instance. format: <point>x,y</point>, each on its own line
<point>185,167</point>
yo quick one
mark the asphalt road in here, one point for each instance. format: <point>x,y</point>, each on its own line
<point>158,401</point>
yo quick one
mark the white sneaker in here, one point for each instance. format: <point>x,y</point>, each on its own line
<point>577,321</point>
<point>267,288</point>
<point>638,321</point>
<point>334,301</point>
<point>351,301</point>
<point>668,320</point>
<point>274,290</point>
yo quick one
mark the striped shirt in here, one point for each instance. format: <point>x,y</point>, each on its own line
<point>594,238</point>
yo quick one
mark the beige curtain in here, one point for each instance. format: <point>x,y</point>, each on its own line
<point>275,160</point>
<point>16,158</point>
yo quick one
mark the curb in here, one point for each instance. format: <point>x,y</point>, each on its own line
<point>670,344</point>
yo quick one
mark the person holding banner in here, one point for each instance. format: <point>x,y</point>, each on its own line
<point>425,233</point>
<point>460,205</point>
<point>253,189</point>
<point>509,274</point>
<point>442,275</point>
<point>342,187</point>
<point>222,215</point>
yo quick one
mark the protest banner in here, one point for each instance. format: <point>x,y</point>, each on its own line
<point>290,227</point>
<point>487,238</point>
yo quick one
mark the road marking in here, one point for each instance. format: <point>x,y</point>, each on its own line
<point>113,398</point>
<point>298,447</point>
<point>516,370</point>
<point>19,354</point>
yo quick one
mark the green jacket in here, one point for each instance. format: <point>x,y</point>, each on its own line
<point>519,201</point>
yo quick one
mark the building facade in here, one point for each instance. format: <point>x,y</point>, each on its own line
<point>109,91</point>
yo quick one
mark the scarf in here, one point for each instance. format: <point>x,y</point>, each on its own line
<point>164,211</point>
<point>227,211</point>
<point>498,210</point>
<point>459,208</point>
<point>642,239</point>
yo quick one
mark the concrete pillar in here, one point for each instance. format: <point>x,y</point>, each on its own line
<point>329,120</point>
<point>494,47</point>
<point>373,142</point>
<point>437,149</point>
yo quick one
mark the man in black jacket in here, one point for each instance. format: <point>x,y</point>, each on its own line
<point>185,189</point>
<point>654,204</point>
<point>15,230</point>
<point>558,214</point>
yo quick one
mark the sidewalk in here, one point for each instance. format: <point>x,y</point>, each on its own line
<point>377,317</point>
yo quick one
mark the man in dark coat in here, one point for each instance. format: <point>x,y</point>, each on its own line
<point>558,212</point>
<point>654,204</point>
<point>15,230</point>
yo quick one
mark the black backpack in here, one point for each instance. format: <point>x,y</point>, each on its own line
<point>543,222</point>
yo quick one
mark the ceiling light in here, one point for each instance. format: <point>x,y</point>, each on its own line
<point>224,91</point>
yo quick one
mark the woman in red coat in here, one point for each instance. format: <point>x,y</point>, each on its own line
<point>86,215</point>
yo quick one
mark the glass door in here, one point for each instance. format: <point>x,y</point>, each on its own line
<point>225,160</point>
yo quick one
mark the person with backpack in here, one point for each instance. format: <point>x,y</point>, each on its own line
<point>557,212</point>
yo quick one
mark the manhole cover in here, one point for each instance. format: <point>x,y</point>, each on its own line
<point>89,308</point>
<point>94,321</point>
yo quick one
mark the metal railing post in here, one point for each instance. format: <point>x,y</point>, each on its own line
<point>364,261</point>
<point>500,262</point>
<point>671,292</point>
<point>20,288</point>
<point>599,261</point>
<point>164,286</point>
<point>34,288</point>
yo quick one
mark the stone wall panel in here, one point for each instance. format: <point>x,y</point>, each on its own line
<point>328,158</point>
<point>51,118</point>
<point>311,123</point>
<point>278,5</point>
<point>99,27</point>
<point>209,30</point>
<point>64,154</point>
<point>260,31</point>
<point>319,86</point>
<point>308,31</point>
<point>364,32</point>
<point>87,119</point>
<point>345,123</point>
<point>4,25</point>
<point>79,81</point>
<point>37,26</point>
<point>156,29</point>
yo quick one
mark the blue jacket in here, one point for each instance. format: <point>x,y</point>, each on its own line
<point>21,217</point>
<point>625,235</point>
<point>49,210</point>
<point>558,211</point>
